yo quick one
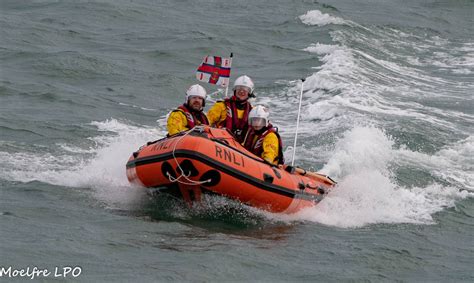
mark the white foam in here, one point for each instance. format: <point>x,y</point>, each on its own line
<point>349,74</point>
<point>458,60</point>
<point>322,49</point>
<point>362,148</point>
<point>339,64</point>
<point>371,77</point>
<point>367,193</point>
<point>462,71</point>
<point>315,17</point>
<point>323,110</point>
<point>136,106</point>
<point>370,198</point>
<point>341,73</point>
<point>101,168</point>
<point>461,153</point>
<point>453,163</point>
<point>361,161</point>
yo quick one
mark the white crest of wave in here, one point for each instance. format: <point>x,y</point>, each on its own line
<point>338,64</point>
<point>462,71</point>
<point>453,163</point>
<point>370,197</point>
<point>346,92</point>
<point>343,73</point>
<point>316,18</point>
<point>101,167</point>
<point>361,149</point>
<point>367,193</point>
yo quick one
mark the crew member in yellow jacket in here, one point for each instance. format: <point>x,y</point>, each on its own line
<point>189,114</point>
<point>263,139</point>
<point>232,113</point>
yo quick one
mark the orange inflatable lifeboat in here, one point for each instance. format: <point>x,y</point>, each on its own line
<point>209,160</point>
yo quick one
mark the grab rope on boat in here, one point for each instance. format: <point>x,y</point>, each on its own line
<point>183,174</point>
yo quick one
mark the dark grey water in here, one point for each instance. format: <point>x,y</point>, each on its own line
<point>388,111</point>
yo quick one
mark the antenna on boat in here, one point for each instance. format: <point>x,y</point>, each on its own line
<point>297,123</point>
<point>227,87</point>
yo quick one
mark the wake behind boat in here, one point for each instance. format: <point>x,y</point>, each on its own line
<point>210,160</point>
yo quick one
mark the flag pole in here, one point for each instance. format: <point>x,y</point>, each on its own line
<point>297,123</point>
<point>227,87</point>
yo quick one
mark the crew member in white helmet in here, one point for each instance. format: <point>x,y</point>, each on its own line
<point>232,113</point>
<point>189,114</point>
<point>262,139</point>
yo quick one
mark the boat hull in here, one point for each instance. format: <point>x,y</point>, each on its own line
<point>208,160</point>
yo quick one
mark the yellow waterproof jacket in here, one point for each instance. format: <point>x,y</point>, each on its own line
<point>270,148</point>
<point>182,119</point>
<point>218,113</point>
<point>177,122</point>
<point>227,114</point>
<point>267,145</point>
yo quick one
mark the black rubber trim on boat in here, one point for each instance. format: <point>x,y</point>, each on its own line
<point>225,169</point>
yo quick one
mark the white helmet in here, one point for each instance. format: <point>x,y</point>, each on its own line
<point>196,90</point>
<point>244,81</point>
<point>258,116</point>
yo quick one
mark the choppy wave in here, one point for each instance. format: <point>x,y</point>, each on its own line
<point>365,75</point>
<point>364,162</point>
<point>373,99</point>
<point>316,17</point>
<point>100,167</point>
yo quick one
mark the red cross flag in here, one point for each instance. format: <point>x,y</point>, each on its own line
<point>215,70</point>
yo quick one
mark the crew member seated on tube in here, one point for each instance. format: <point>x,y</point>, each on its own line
<point>262,139</point>
<point>233,112</point>
<point>189,114</point>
